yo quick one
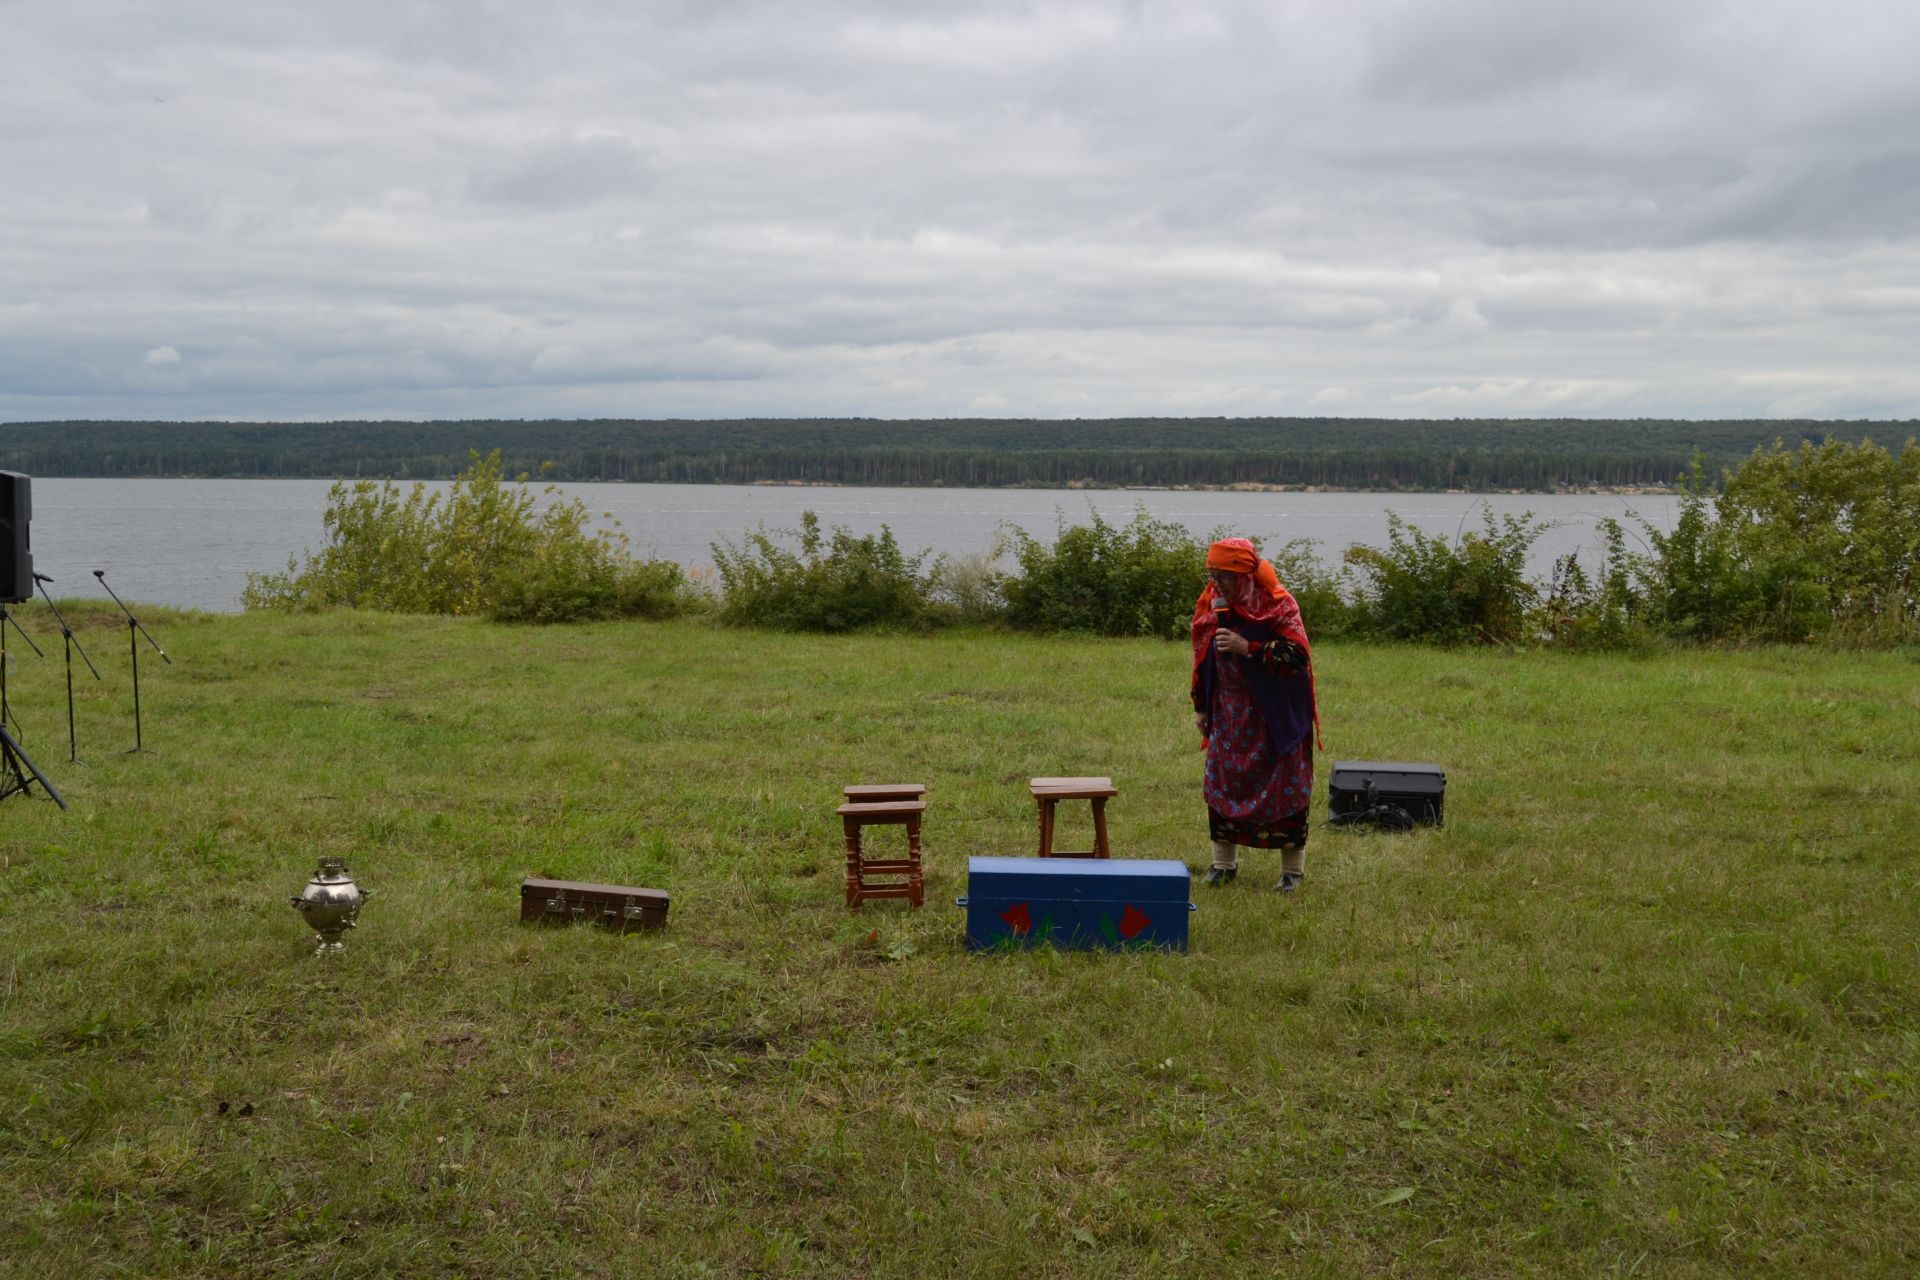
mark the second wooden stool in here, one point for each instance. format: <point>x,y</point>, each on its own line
<point>891,804</point>
<point>1048,792</point>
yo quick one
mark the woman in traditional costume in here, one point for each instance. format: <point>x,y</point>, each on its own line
<point>1253,702</point>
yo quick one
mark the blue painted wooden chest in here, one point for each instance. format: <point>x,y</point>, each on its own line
<point>1082,903</point>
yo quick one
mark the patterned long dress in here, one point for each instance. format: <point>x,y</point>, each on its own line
<point>1257,795</point>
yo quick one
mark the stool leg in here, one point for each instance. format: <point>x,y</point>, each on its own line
<point>852,828</point>
<point>915,888</point>
<point>1046,827</point>
<point>1100,827</point>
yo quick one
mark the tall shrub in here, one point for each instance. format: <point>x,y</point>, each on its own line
<point>837,581</point>
<point>485,546</point>
<point>1136,580</point>
<point>1829,537</point>
<point>1470,590</point>
<point>1609,608</point>
<point>1322,593</point>
<point>1702,588</point>
<point>971,588</point>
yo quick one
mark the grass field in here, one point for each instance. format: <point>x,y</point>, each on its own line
<point>1646,1005</point>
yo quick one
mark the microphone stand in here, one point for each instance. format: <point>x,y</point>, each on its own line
<point>6,711</point>
<point>133,647</point>
<point>66,632</point>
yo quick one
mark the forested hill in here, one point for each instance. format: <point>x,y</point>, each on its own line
<point>1349,453</point>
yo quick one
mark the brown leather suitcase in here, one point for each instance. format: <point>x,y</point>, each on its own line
<point>619,907</point>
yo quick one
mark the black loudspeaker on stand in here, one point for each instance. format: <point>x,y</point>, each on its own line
<point>134,631</point>
<point>16,554</point>
<point>17,769</point>
<point>73,644</point>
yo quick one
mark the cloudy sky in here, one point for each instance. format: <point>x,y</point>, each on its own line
<point>372,208</point>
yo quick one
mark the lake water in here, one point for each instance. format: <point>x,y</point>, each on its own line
<point>191,543</point>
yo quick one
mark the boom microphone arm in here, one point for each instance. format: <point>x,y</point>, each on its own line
<point>65,630</point>
<point>132,621</point>
<point>133,653</point>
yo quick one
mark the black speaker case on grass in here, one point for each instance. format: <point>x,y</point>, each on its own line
<point>1420,789</point>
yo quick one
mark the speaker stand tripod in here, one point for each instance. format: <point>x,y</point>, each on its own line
<point>18,771</point>
<point>66,633</point>
<point>6,708</point>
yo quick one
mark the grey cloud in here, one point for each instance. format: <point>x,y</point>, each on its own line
<point>1479,50</point>
<point>1870,193</point>
<point>877,208</point>
<point>559,172</point>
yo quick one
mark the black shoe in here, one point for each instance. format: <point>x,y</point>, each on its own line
<point>1220,875</point>
<point>1289,882</point>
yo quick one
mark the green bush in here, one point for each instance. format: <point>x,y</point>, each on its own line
<point>1140,580</point>
<point>615,588</point>
<point>834,582</point>
<point>1322,594</point>
<point>486,547</point>
<point>1825,541</point>
<point>1610,609</point>
<point>1821,542</point>
<point>1473,590</point>
<point>1699,586</point>
<point>972,588</point>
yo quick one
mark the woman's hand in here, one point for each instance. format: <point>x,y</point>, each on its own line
<point>1203,723</point>
<point>1225,641</point>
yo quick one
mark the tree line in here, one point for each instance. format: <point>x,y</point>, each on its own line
<point>1476,454</point>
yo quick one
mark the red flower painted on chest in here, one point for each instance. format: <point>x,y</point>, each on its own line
<point>1017,918</point>
<point>1132,921</point>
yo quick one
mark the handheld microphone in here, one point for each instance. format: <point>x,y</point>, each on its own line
<point>1221,610</point>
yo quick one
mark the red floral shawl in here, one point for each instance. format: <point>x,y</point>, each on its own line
<point>1258,597</point>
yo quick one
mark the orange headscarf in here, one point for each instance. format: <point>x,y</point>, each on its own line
<point>1260,597</point>
<point>1235,555</point>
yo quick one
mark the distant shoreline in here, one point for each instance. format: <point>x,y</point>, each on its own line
<point>1623,490</point>
<point>1282,455</point>
<point>1653,490</point>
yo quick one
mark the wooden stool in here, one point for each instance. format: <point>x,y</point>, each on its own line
<point>1047,792</point>
<point>872,793</point>
<point>886,805</point>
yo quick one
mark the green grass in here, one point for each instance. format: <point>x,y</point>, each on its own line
<point>1647,1004</point>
